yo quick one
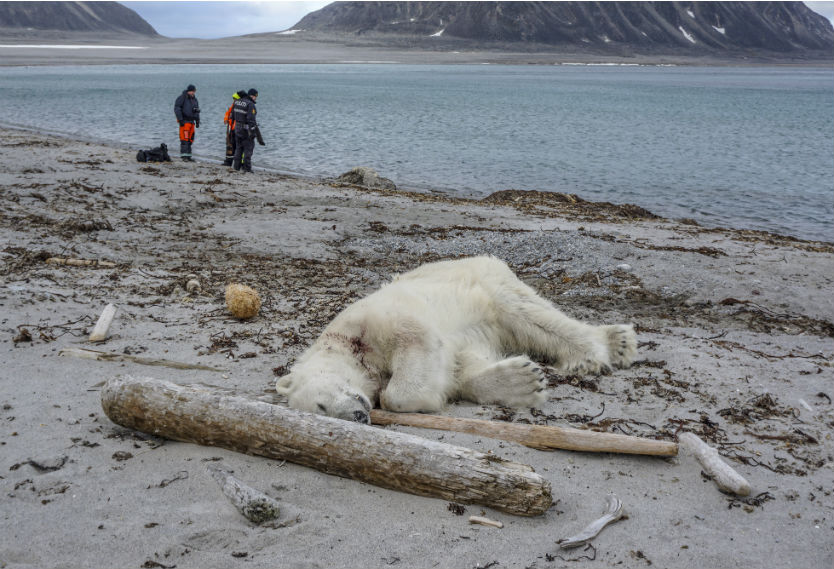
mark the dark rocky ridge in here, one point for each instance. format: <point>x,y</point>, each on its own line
<point>98,17</point>
<point>696,28</point>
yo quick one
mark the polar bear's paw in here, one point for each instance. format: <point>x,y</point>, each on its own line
<point>514,382</point>
<point>622,344</point>
<point>589,366</point>
<point>589,356</point>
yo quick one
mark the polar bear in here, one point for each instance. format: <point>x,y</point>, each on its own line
<point>462,329</point>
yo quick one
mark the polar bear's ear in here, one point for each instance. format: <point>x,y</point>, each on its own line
<point>284,385</point>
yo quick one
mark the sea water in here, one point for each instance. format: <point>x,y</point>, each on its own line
<point>743,147</point>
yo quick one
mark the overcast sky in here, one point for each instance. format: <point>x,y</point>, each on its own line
<point>221,19</point>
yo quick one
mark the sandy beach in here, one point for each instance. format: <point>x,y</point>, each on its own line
<point>735,331</point>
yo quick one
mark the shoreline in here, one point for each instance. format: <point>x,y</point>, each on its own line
<point>602,63</point>
<point>410,190</point>
<point>285,49</point>
<point>736,343</point>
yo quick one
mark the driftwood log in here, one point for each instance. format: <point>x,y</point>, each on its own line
<point>255,506</point>
<point>541,437</point>
<point>724,476</point>
<point>80,262</point>
<point>399,461</point>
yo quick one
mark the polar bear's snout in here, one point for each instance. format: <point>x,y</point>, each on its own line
<point>348,405</point>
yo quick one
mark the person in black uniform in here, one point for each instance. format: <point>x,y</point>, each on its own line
<point>187,110</point>
<point>229,121</point>
<point>246,130</point>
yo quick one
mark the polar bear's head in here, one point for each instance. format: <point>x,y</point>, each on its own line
<point>325,394</point>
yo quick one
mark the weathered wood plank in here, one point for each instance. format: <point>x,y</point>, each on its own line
<point>88,354</point>
<point>541,437</point>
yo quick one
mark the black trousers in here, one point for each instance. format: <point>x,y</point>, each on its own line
<point>230,148</point>
<point>244,147</point>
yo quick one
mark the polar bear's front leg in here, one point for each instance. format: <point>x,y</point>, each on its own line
<point>539,328</point>
<point>484,377</point>
<point>420,376</point>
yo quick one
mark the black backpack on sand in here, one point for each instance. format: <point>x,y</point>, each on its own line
<point>158,154</point>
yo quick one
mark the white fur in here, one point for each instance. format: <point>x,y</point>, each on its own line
<point>464,329</point>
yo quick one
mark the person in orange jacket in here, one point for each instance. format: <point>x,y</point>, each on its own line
<point>229,121</point>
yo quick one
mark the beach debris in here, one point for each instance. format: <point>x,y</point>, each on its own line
<point>89,225</point>
<point>750,502</point>
<point>457,509</point>
<point>193,286</point>
<point>80,262</point>
<point>151,564</point>
<point>43,465</point>
<point>101,328</point>
<point>805,404</point>
<point>484,521</point>
<point>366,177</point>
<point>88,354</point>
<point>24,335</point>
<point>255,506</point>
<point>177,293</point>
<point>242,301</point>
<point>541,437</point>
<point>613,511</point>
<point>206,415</point>
<point>727,479</point>
<point>181,475</point>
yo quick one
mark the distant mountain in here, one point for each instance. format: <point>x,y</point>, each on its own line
<point>99,17</point>
<point>647,27</point>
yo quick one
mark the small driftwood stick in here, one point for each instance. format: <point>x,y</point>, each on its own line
<point>613,512</point>
<point>80,262</point>
<point>485,521</point>
<point>99,333</point>
<point>539,437</point>
<point>255,506</point>
<point>399,461</point>
<point>721,473</point>
<point>87,354</point>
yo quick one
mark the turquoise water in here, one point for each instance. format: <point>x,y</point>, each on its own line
<point>740,147</point>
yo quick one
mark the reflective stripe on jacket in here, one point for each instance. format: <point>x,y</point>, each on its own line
<point>244,116</point>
